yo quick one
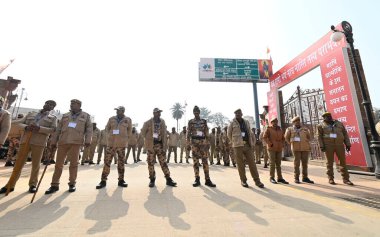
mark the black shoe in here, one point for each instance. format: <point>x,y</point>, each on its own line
<point>282,181</point>
<point>307,180</point>
<point>170,182</point>
<point>32,189</point>
<point>72,188</point>
<point>91,163</point>
<point>151,183</point>
<point>138,160</point>
<point>234,164</point>
<point>8,163</point>
<point>244,184</point>
<point>122,183</point>
<point>81,163</point>
<point>209,183</point>
<point>97,163</point>
<point>29,159</point>
<point>348,182</point>
<point>332,182</point>
<point>65,163</point>
<point>52,162</point>
<point>218,163</point>
<point>297,181</point>
<point>259,184</point>
<point>265,165</point>
<point>196,182</point>
<point>102,184</point>
<point>273,181</point>
<point>4,190</point>
<point>226,164</point>
<point>52,189</point>
<point>187,161</point>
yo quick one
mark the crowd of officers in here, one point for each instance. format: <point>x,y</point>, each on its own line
<point>44,138</point>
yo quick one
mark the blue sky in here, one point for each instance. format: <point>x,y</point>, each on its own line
<point>144,54</point>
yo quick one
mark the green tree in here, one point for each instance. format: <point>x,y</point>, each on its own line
<point>178,111</point>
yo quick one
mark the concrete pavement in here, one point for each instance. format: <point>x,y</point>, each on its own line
<point>227,210</point>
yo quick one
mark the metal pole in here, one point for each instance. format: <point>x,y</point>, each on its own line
<point>19,103</point>
<point>299,101</point>
<point>375,143</point>
<point>256,103</point>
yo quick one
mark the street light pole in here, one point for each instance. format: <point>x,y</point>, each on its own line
<point>375,143</point>
<point>19,103</point>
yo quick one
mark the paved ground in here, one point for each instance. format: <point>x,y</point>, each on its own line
<point>228,210</point>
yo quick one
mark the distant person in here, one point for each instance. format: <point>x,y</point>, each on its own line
<point>119,129</point>
<point>212,140</point>
<point>182,138</point>
<point>298,137</point>
<point>14,136</point>
<point>333,139</point>
<point>140,144</point>
<point>74,130</point>
<point>173,143</point>
<point>89,152</point>
<point>132,144</point>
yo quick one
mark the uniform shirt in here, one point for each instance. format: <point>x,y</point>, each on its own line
<point>47,123</point>
<point>197,129</point>
<point>182,138</point>
<point>236,135</point>
<point>274,137</point>
<point>298,138</point>
<point>154,131</point>
<point>74,129</point>
<point>332,134</point>
<point>103,138</point>
<point>212,139</point>
<point>95,136</point>
<point>118,131</point>
<point>132,141</point>
<point>173,139</point>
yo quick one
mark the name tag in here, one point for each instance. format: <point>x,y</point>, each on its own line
<point>332,135</point>
<point>116,131</point>
<point>243,134</point>
<point>199,133</point>
<point>296,139</point>
<point>72,124</point>
<point>155,135</point>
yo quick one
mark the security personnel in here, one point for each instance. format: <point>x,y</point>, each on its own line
<point>132,143</point>
<point>218,144</point>
<point>5,122</point>
<point>102,145</point>
<point>197,142</point>
<point>228,152</point>
<point>274,137</point>
<point>89,152</point>
<point>14,136</point>
<point>73,130</point>
<point>119,129</point>
<point>41,124</point>
<point>154,132</point>
<point>140,144</point>
<point>182,140</point>
<point>212,140</point>
<point>173,141</point>
<point>240,134</point>
<point>333,138</point>
<point>299,139</point>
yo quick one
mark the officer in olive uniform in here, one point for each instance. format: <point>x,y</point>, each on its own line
<point>197,140</point>
<point>154,133</point>
<point>89,152</point>
<point>182,138</point>
<point>333,139</point>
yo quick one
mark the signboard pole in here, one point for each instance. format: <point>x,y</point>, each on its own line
<point>256,103</point>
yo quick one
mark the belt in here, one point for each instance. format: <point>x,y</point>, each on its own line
<point>197,138</point>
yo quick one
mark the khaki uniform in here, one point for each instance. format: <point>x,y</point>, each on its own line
<point>154,133</point>
<point>182,138</point>
<point>197,137</point>
<point>218,146</point>
<point>333,138</point>
<point>89,152</point>
<point>72,132</point>
<point>37,142</point>
<point>274,137</point>
<point>262,148</point>
<point>172,144</point>
<point>140,144</point>
<point>228,152</point>
<point>243,148</point>
<point>132,143</point>
<point>299,140</point>
<point>212,140</point>
<point>5,125</point>
<point>118,131</point>
<point>102,145</point>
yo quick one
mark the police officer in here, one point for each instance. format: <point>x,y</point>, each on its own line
<point>173,140</point>
<point>89,152</point>
<point>240,134</point>
<point>119,129</point>
<point>333,139</point>
<point>212,140</point>
<point>182,138</point>
<point>73,130</point>
<point>132,143</point>
<point>41,124</point>
<point>274,137</point>
<point>154,133</point>
<point>299,139</point>
<point>197,140</point>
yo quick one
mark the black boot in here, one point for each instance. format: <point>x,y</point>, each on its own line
<point>102,184</point>
<point>170,182</point>
<point>122,184</point>
<point>197,182</point>
<point>209,183</point>
<point>151,183</point>
<point>4,190</point>
<point>52,189</point>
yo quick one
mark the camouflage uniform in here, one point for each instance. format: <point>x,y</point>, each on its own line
<point>218,146</point>
<point>212,140</point>
<point>110,153</point>
<point>89,152</point>
<point>14,143</point>
<point>154,133</point>
<point>182,138</point>
<point>197,134</point>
